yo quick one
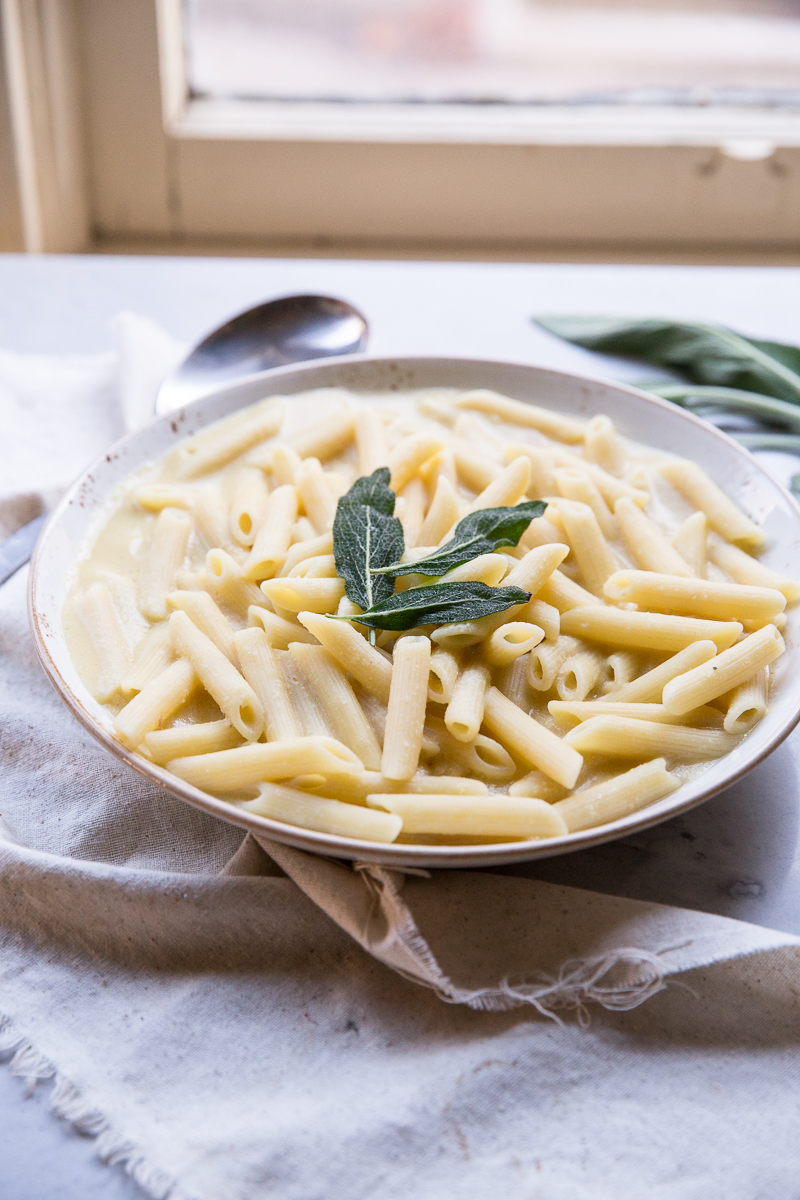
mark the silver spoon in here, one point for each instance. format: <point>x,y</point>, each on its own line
<point>292,329</point>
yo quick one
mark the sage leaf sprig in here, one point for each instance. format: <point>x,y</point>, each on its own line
<point>478,533</point>
<point>708,354</point>
<point>439,604</point>
<point>366,536</point>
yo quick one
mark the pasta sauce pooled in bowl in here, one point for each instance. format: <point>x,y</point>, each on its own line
<point>443,617</point>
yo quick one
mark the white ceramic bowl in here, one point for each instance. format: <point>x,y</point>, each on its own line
<point>637,415</point>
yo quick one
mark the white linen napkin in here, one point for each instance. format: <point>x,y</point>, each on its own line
<point>208,1010</point>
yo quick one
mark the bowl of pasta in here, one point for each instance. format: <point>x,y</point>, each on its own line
<point>427,612</point>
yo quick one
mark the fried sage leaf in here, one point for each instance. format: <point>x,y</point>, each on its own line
<point>439,604</point>
<point>478,533</point>
<point>366,536</point>
<point>707,354</point>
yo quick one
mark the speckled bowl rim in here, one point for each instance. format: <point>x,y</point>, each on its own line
<point>374,373</point>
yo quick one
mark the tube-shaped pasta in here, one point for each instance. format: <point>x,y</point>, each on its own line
<point>568,713</point>
<point>414,499</point>
<point>646,631</point>
<point>511,641</point>
<point>219,677</point>
<point>155,496</point>
<point>486,568</point>
<point>546,616</point>
<point>311,547</point>
<point>99,615</point>
<point>542,481</point>
<point>536,783</point>
<point>438,465</point>
<point>727,671</point>
<point>201,609</point>
<point>215,446</point>
<point>279,631</point>
<point>370,440</point>
<point>723,515</point>
<point>507,489</point>
<point>618,669</point>
<point>262,671</point>
<point>518,412</point>
<point>482,756</point>
<point>261,762</point>
<point>353,652</point>
<point>324,816</point>
<point>475,470</point>
<point>696,597</point>
<point>464,714</point>
<point>546,660</point>
<point>627,737</point>
<point>563,593</point>
<point>304,595</point>
<point>338,700</point>
<point>691,543</point>
<point>591,550</point>
<point>530,741</point>
<point>512,683</point>
<point>327,438</point>
<point>315,494</point>
<point>649,547</point>
<point>321,566</point>
<point>308,709</point>
<point>618,797</point>
<point>162,561</point>
<point>600,445</point>
<point>748,703</point>
<point>743,568</point>
<point>225,577</point>
<point>210,514</point>
<point>577,485</point>
<point>409,455</point>
<point>648,687</point>
<point>248,506</point>
<point>578,675</point>
<point>284,463</point>
<point>156,702</point>
<point>472,816</point>
<point>153,655</point>
<point>274,535</point>
<point>443,512</point>
<point>408,697</point>
<point>182,741</point>
<point>444,671</point>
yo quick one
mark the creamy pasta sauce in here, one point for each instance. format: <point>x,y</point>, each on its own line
<point>642,655</point>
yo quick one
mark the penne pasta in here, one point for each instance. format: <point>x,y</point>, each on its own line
<point>617,798</point>
<point>646,631</point>
<point>748,703</point>
<point>153,655</point>
<point>546,660</point>
<point>443,513</point>
<point>325,439</point>
<point>344,714</point>
<point>304,595</point>
<point>508,488</point>
<point>592,553</point>
<point>219,677</point>
<point>601,446</point>
<point>408,697</point>
<point>369,666</point>
<point>726,671</point>
<point>702,598</point>
<point>204,613</point>
<point>627,737</point>
<point>162,561</point>
<point>569,713</point>
<point>156,702</point>
<point>579,674</point>
<point>262,671</point>
<point>648,687</point>
<point>691,543</point>
<point>280,632</point>
<point>408,456</point>
<point>181,741</point>
<point>292,807</point>
<point>530,741</point>
<point>579,486</point>
<point>371,442</point>
<point>723,516</point>
<point>745,569</point>
<point>248,506</point>
<point>449,815</point>
<point>316,495</point>
<point>274,536</point>
<point>99,615</point>
<point>226,580</point>
<point>464,714</point>
<point>516,412</point>
<point>224,441</point>
<point>443,673</point>
<point>563,593</point>
<point>649,547</point>
<point>261,762</point>
<point>511,641</point>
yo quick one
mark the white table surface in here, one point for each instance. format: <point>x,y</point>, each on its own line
<point>736,855</point>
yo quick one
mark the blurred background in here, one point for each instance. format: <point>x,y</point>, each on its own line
<point>463,128</point>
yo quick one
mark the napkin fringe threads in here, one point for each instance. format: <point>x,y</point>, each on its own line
<point>67,1103</point>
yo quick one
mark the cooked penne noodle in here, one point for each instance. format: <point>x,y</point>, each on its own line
<point>261,669</point>
<point>248,506</point>
<point>409,455</point>
<point>579,674</point>
<point>546,660</point>
<point>536,783</point>
<point>320,566</point>
<point>274,536</point>
<point>627,737</point>
<point>414,500</point>
<point>464,714</point>
<point>162,561</point>
<point>370,440</point>
<point>703,598</point>
<point>309,595</point>
<point>475,470</point>
<point>153,655</point>
<point>444,670</point>
<point>201,609</point>
<point>511,681</point>
<point>517,412</point>
<point>647,544</point>
<point>723,515</point>
<point>262,762</point>
<point>486,568</point>
<point>156,702</point>
<point>511,641</point>
<point>227,581</point>
<point>155,496</point>
<point>443,513</point>
<point>577,485</point>
<point>563,593</point>
<point>743,568</point>
<point>311,547</point>
<point>617,798</point>
<point>224,441</point>
<point>219,677</point>
<point>365,663</point>
<point>542,464</point>
<point>546,616</point>
<point>646,631</point>
<point>691,542</point>
<point>726,671</point>
<point>283,464</point>
<point>182,741</point>
<point>307,707</point>
<point>507,489</point>
<point>408,697</point>
<point>483,756</point>
<point>344,714</point>
<point>211,519</point>
<point>506,816</point>
<point>748,703</point>
<point>99,615</point>
<point>315,494</point>
<point>323,816</point>
<point>568,713</point>
<point>327,438</point>
<point>591,550</point>
<point>648,687</point>
<point>530,741</point>
<point>619,668</point>
<point>279,630</point>
<point>601,446</point>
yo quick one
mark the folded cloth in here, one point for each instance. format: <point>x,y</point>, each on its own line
<point>233,1019</point>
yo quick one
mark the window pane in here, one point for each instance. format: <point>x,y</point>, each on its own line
<point>497,51</point>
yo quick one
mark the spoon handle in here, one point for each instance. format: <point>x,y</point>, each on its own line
<point>17,549</point>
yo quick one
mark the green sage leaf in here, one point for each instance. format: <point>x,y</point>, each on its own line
<point>478,533</point>
<point>439,604</point>
<point>366,536</point>
<point>707,354</point>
